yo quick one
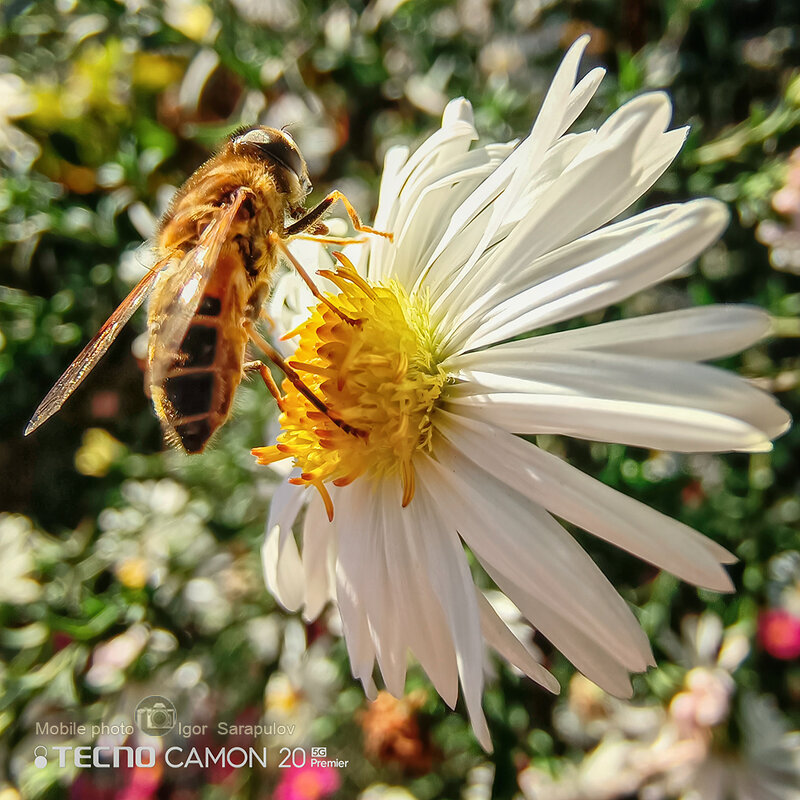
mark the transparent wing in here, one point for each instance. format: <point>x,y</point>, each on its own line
<point>93,351</point>
<point>190,277</point>
<point>185,284</point>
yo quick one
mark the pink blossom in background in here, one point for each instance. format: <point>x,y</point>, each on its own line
<point>143,783</point>
<point>61,640</point>
<point>779,633</point>
<point>84,787</point>
<point>307,783</point>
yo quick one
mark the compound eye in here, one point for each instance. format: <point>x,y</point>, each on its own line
<point>275,145</point>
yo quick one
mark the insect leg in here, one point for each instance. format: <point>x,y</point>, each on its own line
<point>338,240</point>
<point>275,357</point>
<point>312,216</point>
<point>277,240</point>
<point>262,369</point>
<point>268,319</point>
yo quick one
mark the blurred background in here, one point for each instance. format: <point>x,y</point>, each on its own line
<point>127,571</point>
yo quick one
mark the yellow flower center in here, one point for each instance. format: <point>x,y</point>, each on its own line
<point>370,354</point>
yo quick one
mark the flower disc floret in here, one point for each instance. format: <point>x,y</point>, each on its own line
<point>370,355</point>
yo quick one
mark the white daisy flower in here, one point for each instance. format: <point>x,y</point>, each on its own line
<point>767,768</point>
<point>491,243</point>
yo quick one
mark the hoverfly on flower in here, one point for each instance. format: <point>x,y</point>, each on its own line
<point>217,250</point>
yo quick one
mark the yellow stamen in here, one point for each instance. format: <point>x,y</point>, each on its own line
<point>350,272</point>
<point>326,498</point>
<point>381,377</point>
<point>313,369</point>
<point>292,333</point>
<point>334,277</point>
<point>408,482</point>
<point>268,455</point>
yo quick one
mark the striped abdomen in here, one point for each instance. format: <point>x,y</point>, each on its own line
<point>201,382</point>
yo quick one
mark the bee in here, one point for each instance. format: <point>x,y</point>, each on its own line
<point>218,248</point>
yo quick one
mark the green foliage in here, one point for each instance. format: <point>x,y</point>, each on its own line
<point>129,571</point>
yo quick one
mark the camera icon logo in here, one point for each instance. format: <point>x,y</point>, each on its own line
<point>155,715</point>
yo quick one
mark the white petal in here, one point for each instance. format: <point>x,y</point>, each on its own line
<point>384,603</point>
<point>418,224</point>
<point>377,585</point>
<point>597,656</point>
<point>601,181</point>
<point>451,580</point>
<point>572,286</point>
<point>653,425</point>
<point>497,282</point>
<point>353,528</point>
<point>656,148</point>
<point>580,96</point>
<point>451,140</point>
<point>690,334</point>
<point>499,636</point>
<point>469,180</point>
<point>503,189</point>
<point>429,636</point>
<point>662,391</point>
<point>501,281</point>
<point>521,546</point>
<point>596,662</point>
<point>570,494</point>
<point>291,298</point>
<point>373,259</point>
<point>391,183</point>
<point>283,570</point>
<point>393,573</point>
<point>318,559</point>
<point>393,586</point>
<point>588,192</point>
